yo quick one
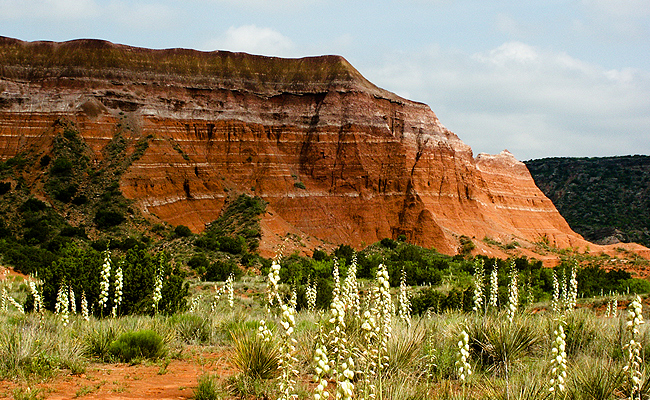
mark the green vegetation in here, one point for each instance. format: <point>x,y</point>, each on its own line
<point>130,346</point>
<point>601,198</point>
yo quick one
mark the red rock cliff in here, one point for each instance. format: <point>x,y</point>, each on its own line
<point>338,159</point>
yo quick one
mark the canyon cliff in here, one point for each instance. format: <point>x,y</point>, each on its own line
<point>338,159</point>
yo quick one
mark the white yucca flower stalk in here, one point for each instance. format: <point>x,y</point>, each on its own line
<point>559,360</point>
<point>336,291</point>
<point>494,285</point>
<point>463,367</point>
<point>274,282</point>
<point>288,360</point>
<point>404,302</point>
<point>614,308</point>
<point>119,287</point>
<point>555,302</point>
<point>73,300</point>
<point>194,305</point>
<point>350,289</point>
<point>322,369</point>
<point>572,289</point>
<point>157,290</point>
<point>84,307</point>
<point>38,300</point>
<point>105,281</point>
<point>311,293</point>
<point>61,306</point>
<point>370,331</point>
<point>12,301</point>
<point>633,366</point>
<point>386,308</point>
<point>479,277</point>
<point>513,296</point>
<point>4,300</point>
<point>230,288</point>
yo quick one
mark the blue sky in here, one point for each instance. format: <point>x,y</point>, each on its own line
<point>539,78</point>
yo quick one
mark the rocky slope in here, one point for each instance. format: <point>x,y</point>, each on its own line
<point>338,159</point>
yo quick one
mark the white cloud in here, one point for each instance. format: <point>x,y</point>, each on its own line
<point>612,20</point>
<point>532,101</point>
<point>252,39</point>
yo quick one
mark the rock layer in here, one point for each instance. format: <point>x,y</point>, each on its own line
<point>338,159</point>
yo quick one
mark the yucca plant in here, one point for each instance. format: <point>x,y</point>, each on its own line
<point>498,344</point>
<point>595,380</point>
<point>254,357</point>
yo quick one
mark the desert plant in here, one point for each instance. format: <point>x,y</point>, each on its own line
<point>595,380</point>
<point>207,389</point>
<point>255,357</point>
<point>499,344</point>
<point>131,346</point>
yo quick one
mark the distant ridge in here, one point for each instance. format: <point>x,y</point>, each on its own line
<point>605,199</point>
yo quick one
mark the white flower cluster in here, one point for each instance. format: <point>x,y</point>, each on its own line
<point>287,351</point>
<point>633,366</point>
<point>3,300</point>
<point>119,286</point>
<point>494,285</point>
<point>345,387</point>
<point>73,300</point>
<point>462,363</point>
<point>36,294</point>
<point>612,308</point>
<point>404,312</point>
<point>230,288</point>
<point>311,294</point>
<point>322,369</point>
<point>105,281</point>
<point>264,332</point>
<point>194,305</point>
<point>559,361</point>
<point>274,281</point>
<point>157,288</point>
<point>513,296</point>
<point>555,302</point>
<point>6,298</point>
<point>84,306</point>
<point>572,290</point>
<point>385,308</point>
<point>479,278</point>
<point>62,302</point>
<point>350,290</point>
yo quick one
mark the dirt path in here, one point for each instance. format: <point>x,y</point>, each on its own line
<point>177,380</point>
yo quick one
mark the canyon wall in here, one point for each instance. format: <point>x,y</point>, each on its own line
<point>338,159</point>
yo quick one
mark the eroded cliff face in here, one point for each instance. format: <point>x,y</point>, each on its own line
<point>337,159</point>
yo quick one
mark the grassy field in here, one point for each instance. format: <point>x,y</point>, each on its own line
<point>364,346</point>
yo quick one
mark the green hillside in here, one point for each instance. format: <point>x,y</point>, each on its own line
<point>604,199</point>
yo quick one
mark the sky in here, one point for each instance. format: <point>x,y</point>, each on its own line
<point>552,78</point>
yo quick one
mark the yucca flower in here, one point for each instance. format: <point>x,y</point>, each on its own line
<point>350,289</point>
<point>105,281</point>
<point>119,286</point>
<point>157,289</point>
<point>572,288</point>
<point>288,360</point>
<point>230,288</point>
<point>479,277</point>
<point>38,300</point>
<point>513,296</point>
<point>322,369</point>
<point>559,360</point>
<point>634,360</point>
<point>311,294</point>
<point>84,306</point>
<point>555,302</point>
<point>73,300</point>
<point>62,303</point>
<point>463,367</point>
<point>9,299</point>
<point>404,302</point>
<point>274,282</point>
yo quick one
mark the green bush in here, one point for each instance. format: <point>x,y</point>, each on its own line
<point>145,344</point>
<point>219,271</point>
<point>61,166</point>
<point>254,357</point>
<point>182,231</point>
<point>208,389</point>
<point>108,218</point>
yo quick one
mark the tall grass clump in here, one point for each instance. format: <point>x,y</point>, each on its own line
<point>133,346</point>
<point>255,357</point>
